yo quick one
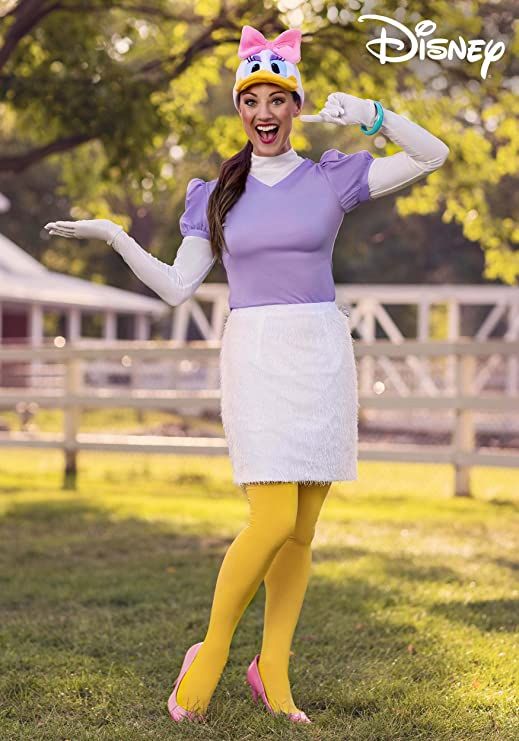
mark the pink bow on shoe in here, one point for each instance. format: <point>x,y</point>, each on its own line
<point>287,44</point>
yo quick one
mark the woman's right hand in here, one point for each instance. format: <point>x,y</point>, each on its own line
<point>85,229</point>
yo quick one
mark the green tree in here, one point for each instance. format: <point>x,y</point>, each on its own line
<point>128,99</point>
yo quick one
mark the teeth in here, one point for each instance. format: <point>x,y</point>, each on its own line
<point>267,128</point>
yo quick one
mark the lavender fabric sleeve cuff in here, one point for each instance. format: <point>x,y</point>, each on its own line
<point>194,222</point>
<point>347,174</point>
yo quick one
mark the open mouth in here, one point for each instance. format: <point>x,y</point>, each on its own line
<point>267,134</point>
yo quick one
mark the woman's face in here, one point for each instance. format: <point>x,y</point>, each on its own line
<point>266,103</point>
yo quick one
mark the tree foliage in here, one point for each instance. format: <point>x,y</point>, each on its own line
<point>128,99</point>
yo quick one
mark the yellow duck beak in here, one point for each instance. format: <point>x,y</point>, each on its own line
<point>263,75</point>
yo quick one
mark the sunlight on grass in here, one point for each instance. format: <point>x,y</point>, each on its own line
<point>407,630</point>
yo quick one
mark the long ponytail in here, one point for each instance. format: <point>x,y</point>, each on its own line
<point>229,187</point>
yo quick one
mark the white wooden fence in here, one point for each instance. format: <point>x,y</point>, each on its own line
<point>465,399</point>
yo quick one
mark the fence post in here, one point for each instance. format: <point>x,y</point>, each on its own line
<point>464,432</point>
<point>71,421</point>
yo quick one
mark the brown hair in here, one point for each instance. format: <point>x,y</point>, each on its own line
<point>228,189</point>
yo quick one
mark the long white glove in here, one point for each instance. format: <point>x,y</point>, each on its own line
<point>173,283</point>
<point>423,152</point>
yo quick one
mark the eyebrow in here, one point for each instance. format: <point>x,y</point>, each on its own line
<point>257,58</point>
<point>276,92</point>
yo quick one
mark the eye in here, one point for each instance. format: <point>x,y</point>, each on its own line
<point>279,67</point>
<point>252,66</point>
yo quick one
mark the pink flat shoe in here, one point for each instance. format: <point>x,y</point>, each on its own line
<point>257,688</point>
<point>176,711</point>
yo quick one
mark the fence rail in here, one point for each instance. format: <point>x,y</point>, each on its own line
<point>463,401</point>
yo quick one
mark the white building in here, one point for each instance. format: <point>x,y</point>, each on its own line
<point>28,289</point>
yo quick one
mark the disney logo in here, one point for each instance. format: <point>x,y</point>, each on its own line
<point>433,48</point>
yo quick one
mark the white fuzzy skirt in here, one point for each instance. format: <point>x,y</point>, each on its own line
<point>289,403</point>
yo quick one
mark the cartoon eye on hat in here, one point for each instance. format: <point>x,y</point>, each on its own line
<point>268,61</point>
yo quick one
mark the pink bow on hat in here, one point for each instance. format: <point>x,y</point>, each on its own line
<point>287,44</point>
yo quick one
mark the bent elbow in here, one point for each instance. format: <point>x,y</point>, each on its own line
<point>177,297</point>
<point>441,158</point>
<point>177,292</point>
<point>174,299</point>
<point>446,152</point>
<point>436,163</point>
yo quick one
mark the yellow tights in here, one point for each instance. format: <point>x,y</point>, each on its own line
<point>274,546</point>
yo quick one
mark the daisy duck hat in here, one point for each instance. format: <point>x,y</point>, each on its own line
<point>269,61</point>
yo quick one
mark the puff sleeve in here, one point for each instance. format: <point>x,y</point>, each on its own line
<point>193,221</point>
<point>347,174</point>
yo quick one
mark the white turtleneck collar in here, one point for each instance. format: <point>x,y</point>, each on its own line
<point>270,170</point>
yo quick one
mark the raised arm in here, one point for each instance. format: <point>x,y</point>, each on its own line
<point>367,177</point>
<point>194,259</point>
<point>173,283</point>
<point>423,153</point>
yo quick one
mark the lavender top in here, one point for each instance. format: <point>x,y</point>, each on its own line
<point>281,237</point>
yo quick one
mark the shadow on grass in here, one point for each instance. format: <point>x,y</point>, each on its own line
<point>395,566</point>
<point>486,615</point>
<point>97,613</point>
<point>505,503</point>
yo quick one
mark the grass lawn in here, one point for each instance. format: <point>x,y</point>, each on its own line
<point>407,631</point>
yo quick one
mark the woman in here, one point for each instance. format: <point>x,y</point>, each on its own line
<point>288,377</point>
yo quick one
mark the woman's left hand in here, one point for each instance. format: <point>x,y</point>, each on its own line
<point>344,109</point>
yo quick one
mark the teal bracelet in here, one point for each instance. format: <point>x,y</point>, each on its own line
<point>378,121</point>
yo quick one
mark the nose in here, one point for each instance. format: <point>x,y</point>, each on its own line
<point>264,115</point>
